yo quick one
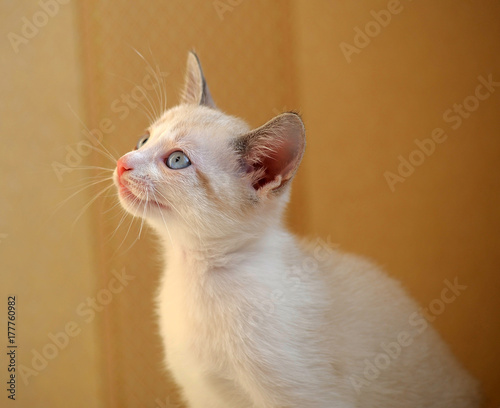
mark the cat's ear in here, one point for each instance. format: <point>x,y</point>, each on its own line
<point>195,87</point>
<point>271,154</point>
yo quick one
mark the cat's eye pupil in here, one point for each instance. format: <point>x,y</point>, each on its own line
<point>177,160</point>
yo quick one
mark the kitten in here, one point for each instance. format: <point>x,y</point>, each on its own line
<point>250,317</point>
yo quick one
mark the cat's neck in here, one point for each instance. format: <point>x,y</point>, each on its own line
<point>219,253</point>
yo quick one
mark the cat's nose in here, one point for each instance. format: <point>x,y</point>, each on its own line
<point>122,166</point>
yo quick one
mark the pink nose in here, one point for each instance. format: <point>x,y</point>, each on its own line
<point>122,166</point>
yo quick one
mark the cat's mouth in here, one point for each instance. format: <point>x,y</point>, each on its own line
<point>141,201</point>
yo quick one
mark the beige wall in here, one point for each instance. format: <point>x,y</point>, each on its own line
<point>259,58</point>
<point>47,264</point>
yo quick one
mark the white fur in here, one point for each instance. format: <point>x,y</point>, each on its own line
<point>251,317</point>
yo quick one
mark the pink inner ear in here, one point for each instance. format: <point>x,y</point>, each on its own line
<point>278,154</point>
<point>277,163</point>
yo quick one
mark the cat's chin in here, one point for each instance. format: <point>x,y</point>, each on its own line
<point>139,206</point>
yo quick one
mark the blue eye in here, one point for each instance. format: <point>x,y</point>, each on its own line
<point>142,141</point>
<point>177,160</point>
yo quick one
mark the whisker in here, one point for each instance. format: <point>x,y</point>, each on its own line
<point>164,222</point>
<point>114,206</point>
<point>143,214</point>
<point>100,175</point>
<point>105,154</point>
<point>197,217</point>
<point>58,207</point>
<point>162,88</point>
<point>178,212</point>
<point>161,83</point>
<point>136,199</point>
<point>125,213</point>
<point>92,168</point>
<point>150,114</point>
<point>87,180</point>
<point>90,133</point>
<point>90,203</point>
<point>157,115</point>
<point>142,223</point>
<point>160,93</point>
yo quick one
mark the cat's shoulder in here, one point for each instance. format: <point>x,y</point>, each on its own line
<point>343,267</point>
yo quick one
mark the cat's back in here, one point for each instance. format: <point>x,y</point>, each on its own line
<point>381,343</point>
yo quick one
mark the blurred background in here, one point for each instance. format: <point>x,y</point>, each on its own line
<point>401,104</point>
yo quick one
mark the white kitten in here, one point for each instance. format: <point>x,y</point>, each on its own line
<point>250,317</point>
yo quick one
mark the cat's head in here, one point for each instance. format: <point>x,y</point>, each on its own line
<point>203,174</point>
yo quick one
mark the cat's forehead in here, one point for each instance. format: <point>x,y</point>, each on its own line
<point>187,121</point>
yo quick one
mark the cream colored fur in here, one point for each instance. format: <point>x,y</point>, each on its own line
<point>251,317</point>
